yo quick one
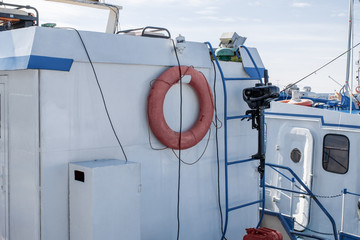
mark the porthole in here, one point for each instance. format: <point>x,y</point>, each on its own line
<point>295,155</point>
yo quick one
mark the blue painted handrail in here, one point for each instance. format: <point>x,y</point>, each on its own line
<point>226,117</point>
<point>242,161</point>
<point>225,141</point>
<point>253,61</point>
<point>345,191</point>
<point>291,180</point>
<point>310,194</point>
<point>287,190</point>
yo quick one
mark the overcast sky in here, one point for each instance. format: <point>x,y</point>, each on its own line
<point>293,37</point>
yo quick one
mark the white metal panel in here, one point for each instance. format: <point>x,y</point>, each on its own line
<point>112,48</point>
<point>4,190</point>
<point>104,200</point>
<point>23,148</point>
<point>18,42</point>
<point>247,60</point>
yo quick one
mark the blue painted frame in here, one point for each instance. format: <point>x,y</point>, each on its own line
<point>36,62</point>
<point>224,79</point>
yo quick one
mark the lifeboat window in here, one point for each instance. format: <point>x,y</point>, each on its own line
<point>336,153</point>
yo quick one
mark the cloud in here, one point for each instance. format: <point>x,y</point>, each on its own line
<point>186,19</point>
<point>140,2</point>
<point>207,11</point>
<point>255,4</point>
<point>218,19</point>
<point>339,14</point>
<point>195,2</point>
<point>301,4</point>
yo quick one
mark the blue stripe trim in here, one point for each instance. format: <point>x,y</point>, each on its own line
<point>251,71</point>
<point>36,62</point>
<point>314,116</point>
<point>49,63</point>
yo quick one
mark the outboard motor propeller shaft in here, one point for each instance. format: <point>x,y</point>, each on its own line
<point>258,98</point>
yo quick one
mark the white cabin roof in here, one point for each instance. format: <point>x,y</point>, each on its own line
<point>57,48</point>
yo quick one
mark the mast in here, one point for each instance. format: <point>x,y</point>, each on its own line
<point>348,64</point>
<point>358,71</point>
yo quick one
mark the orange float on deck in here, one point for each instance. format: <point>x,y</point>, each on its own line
<point>262,234</point>
<point>156,98</point>
<point>302,102</point>
<point>357,89</point>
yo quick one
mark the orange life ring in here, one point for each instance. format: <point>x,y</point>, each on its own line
<point>303,102</point>
<point>357,89</point>
<point>155,112</point>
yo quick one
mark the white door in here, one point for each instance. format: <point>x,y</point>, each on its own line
<point>4,214</point>
<point>299,151</point>
<point>294,149</point>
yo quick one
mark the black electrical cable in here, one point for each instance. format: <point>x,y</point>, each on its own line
<point>180,130</point>
<point>201,155</point>
<point>333,60</point>
<point>101,92</point>
<point>217,154</point>
<point>151,146</point>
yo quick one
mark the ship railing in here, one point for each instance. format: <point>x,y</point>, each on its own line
<point>344,193</point>
<point>148,31</point>
<point>18,7</point>
<point>304,190</point>
<point>283,192</point>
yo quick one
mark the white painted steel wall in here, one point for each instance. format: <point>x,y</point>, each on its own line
<point>74,127</point>
<point>22,152</point>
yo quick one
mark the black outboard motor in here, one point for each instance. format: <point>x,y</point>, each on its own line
<point>261,95</point>
<point>258,98</point>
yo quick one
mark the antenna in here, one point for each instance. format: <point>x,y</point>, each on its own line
<point>350,33</point>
